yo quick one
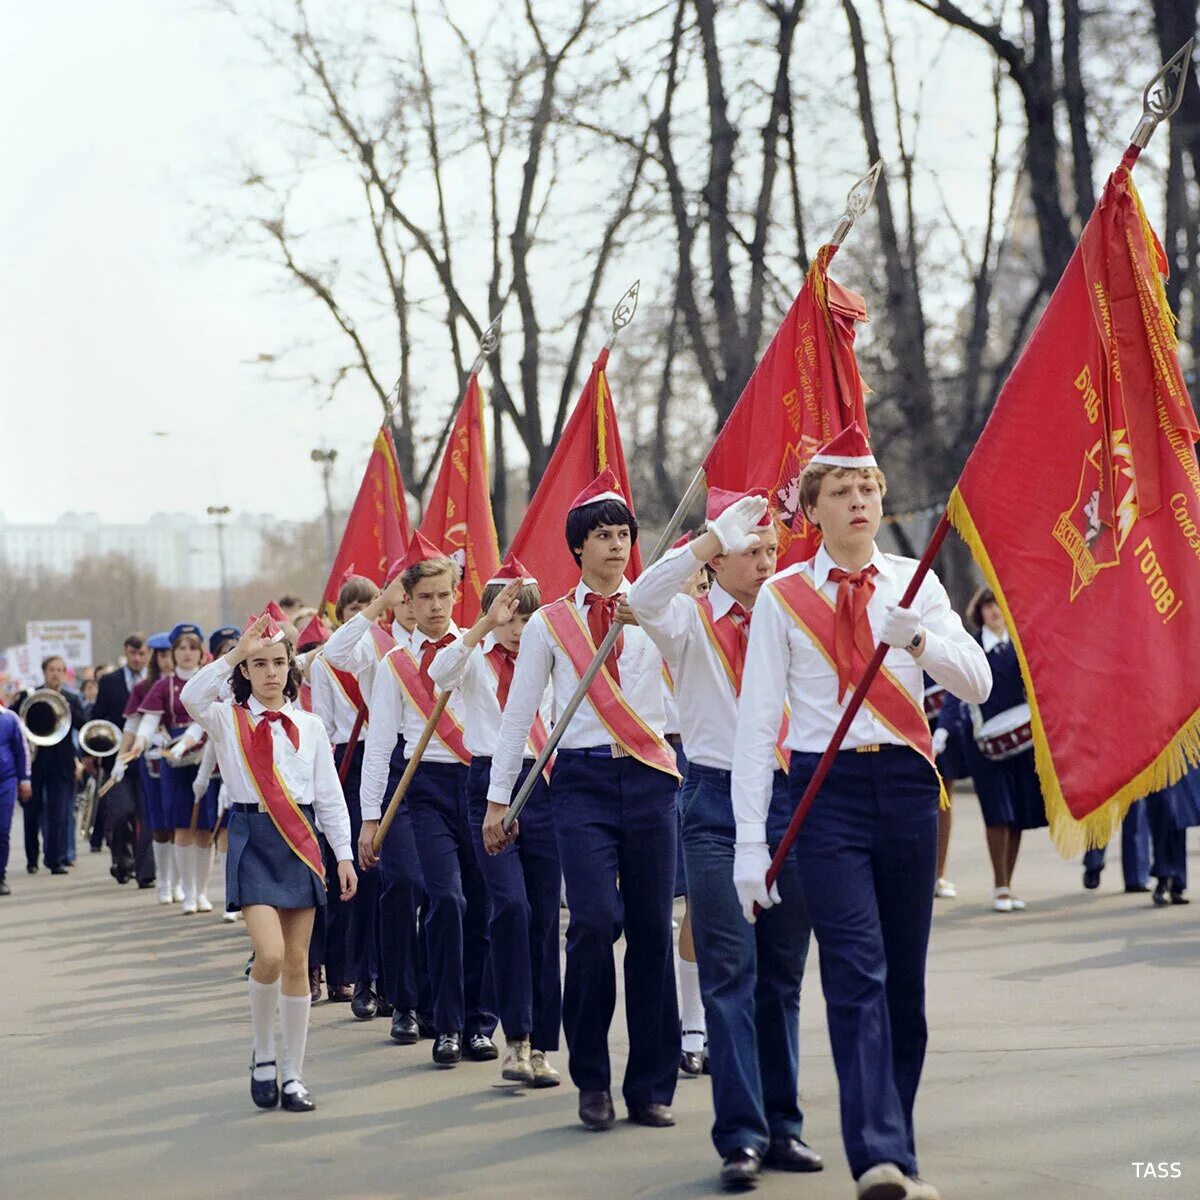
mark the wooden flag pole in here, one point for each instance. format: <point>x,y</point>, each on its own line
<point>410,769</point>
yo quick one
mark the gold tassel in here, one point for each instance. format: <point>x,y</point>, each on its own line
<point>1070,836</point>
<point>1169,319</point>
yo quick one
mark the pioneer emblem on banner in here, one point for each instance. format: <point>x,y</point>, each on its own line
<point>786,490</point>
<point>1091,543</point>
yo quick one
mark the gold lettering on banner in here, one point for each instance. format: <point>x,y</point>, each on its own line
<point>1161,591</point>
<point>1091,397</point>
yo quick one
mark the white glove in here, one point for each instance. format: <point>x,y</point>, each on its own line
<point>750,863</point>
<point>940,738</point>
<point>900,626</point>
<point>199,791</point>
<point>118,771</point>
<point>178,750</point>
<point>735,527</point>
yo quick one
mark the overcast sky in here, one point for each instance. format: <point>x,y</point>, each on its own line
<point>113,324</point>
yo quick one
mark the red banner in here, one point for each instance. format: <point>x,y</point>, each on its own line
<point>458,518</point>
<point>805,390</point>
<point>377,531</point>
<point>590,442</point>
<point>1081,503</point>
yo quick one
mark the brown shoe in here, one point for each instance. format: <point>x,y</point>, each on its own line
<point>342,994</point>
<point>657,1116</point>
<point>314,983</point>
<point>596,1110</point>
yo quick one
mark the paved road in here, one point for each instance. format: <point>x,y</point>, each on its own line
<point>1063,1048</point>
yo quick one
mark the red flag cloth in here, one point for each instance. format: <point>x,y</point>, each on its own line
<point>1081,503</point>
<point>590,442</point>
<point>377,531</point>
<point>458,518</point>
<point>805,390</point>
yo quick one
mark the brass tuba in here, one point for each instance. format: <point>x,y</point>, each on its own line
<point>46,716</point>
<point>100,739</point>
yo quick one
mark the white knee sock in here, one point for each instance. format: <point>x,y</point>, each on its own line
<point>190,865</point>
<point>691,1007</point>
<point>264,1000</point>
<point>177,861</point>
<point>293,1022</point>
<point>204,863</point>
<point>162,863</point>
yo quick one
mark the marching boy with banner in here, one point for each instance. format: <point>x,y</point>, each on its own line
<point>867,852</point>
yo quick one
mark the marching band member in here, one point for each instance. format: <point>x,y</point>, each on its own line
<point>358,646</point>
<point>279,773</point>
<point>866,853</point>
<point>749,976</point>
<point>402,700</point>
<point>149,778</point>
<point>613,793</point>
<point>1010,797</point>
<point>193,823</point>
<point>524,879</point>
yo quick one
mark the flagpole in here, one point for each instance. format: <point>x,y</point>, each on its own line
<point>1159,103</point>
<point>858,200</point>
<point>488,344</point>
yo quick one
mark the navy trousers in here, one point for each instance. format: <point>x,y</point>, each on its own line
<point>1170,844</point>
<point>867,857</point>
<point>1135,848</point>
<point>456,928</point>
<point>362,927</point>
<point>749,974</point>
<point>524,884</point>
<point>402,890</point>
<point>617,826</point>
<point>8,801</point>
<point>53,806</point>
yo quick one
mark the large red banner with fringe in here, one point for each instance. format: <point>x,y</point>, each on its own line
<point>1081,502</point>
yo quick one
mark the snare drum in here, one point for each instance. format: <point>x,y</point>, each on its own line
<point>935,701</point>
<point>1006,735</point>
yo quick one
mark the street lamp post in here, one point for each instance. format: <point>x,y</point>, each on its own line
<point>219,512</point>
<point>325,460</point>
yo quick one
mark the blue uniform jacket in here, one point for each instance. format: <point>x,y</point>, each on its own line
<point>14,751</point>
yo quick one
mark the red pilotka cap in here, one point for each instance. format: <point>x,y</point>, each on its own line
<point>719,499</point>
<point>420,550</point>
<point>606,486</point>
<point>314,633</point>
<point>512,569</point>
<point>849,449</point>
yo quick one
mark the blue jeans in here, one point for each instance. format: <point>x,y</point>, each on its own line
<point>456,928</point>
<point>867,857</point>
<point>617,824</point>
<point>749,974</point>
<point>1135,848</point>
<point>524,884</point>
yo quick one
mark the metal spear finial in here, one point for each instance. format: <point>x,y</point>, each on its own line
<point>624,312</point>
<point>858,200</point>
<point>1163,94</point>
<point>487,344</point>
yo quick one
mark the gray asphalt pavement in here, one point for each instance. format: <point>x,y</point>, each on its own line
<point>1063,1049</point>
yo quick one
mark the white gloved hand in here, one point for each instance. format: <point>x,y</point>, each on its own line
<point>940,738</point>
<point>118,771</point>
<point>178,750</point>
<point>199,792</point>
<point>900,626</point>
<point>735,527</point>
<point>751,861</point>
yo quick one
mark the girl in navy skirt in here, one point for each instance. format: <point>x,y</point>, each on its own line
<point>277,766</point>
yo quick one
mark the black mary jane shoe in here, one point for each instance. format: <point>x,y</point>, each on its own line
<point>264,1092</point>
<point>364,1004</point>
<point>741,1169</point>
<point>481,1048</point>
<point>298,1099</point>
<point>447,1049</point>
<point>405,1031</point>
<point>791,1154</point>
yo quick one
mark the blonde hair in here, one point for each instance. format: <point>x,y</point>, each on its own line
<point>814,474</point>
<point>411,576</point>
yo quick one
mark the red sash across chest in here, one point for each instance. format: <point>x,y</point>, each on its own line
<point>256,746</point>
<point>728,641</point>
<point>888,699</point>
<point>537,731</point>
<point>626,728</point>
<point>421,696</point>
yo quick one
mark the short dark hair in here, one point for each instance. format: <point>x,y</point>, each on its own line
<point>290,601</point>
<point>358,589</point>
<point>239,681</point>
<point>983,596</point>
<point>528,601</point>
<point>135,641</point>
<point>581,521</point>
<point>50,658</point>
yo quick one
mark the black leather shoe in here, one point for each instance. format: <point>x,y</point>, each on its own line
<point>596,1110</point>
<point>691,1062</point>
<point>741,1169</point>
<point>1091,880</point>
<point>265,1092</point>
<point>481,1048</point>
<point>1177,896</point>
<point>314,984</point>
<point>5,890</point>
<point>365,1004</point>
<point>657,1116</point>
<point>791,1154</point>
<point>59,871</point>
<point>1160,896</point>
<point>31,869</point>
<point>404,1028</point>
<point>382,1007</point>
<point>343,993</point>
<point>299,1099</point>
<point>426,1026</point>
<point>143,884</point>
<point>1135,888</point>
<point>447,1049</point>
